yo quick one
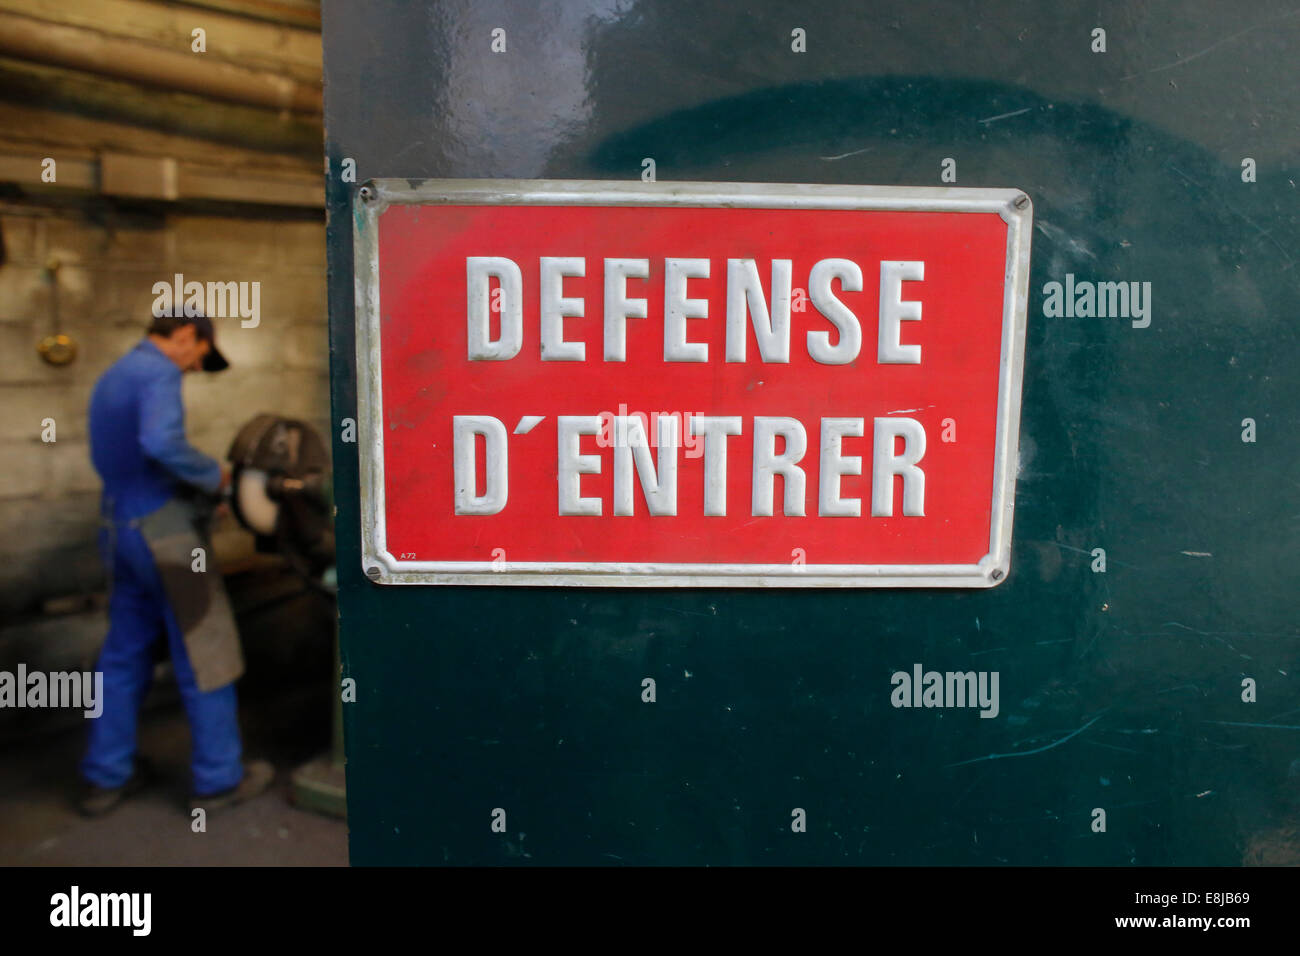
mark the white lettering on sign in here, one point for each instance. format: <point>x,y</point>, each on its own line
<point>886,464</point>
<point>845,322</point>
<point>678,308</point>
<point>714,429</point>
<point>480,270</point>
<point>835,465</point>
<point>746,306</point>
<point>634,462</point>
<point>893,311</point>
<point>572,464</point>
<point>658,480</point>
<point>555,308</point>
<point>768,464</point>
<point>618,307</point>
<point>656,472</point>
<point>466,431</point>
<point>745,293</point>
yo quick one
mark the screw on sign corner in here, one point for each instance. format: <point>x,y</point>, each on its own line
<point>1020,203</point>
<point>373,573</point>
<point>996,575</point>
<point>369,194</point>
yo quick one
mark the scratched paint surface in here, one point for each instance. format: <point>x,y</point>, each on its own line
<point>1119,690</point>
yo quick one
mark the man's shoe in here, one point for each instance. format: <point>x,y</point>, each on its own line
<point>95,801</point>
<point>258,775</point>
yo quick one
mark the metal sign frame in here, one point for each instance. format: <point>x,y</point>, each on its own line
<point>382,567</point>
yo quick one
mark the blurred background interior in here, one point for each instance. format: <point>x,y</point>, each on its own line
<point>166,161</point>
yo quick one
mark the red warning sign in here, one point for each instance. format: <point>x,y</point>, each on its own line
<point>689,384</point>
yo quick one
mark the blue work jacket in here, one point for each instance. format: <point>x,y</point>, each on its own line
<point>137,436</point>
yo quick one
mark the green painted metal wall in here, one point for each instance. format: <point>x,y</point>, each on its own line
<point>1119,690</point>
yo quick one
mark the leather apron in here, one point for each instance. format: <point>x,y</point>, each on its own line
<point>198,598</point>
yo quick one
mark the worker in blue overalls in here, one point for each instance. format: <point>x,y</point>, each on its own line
<point>163,582</point>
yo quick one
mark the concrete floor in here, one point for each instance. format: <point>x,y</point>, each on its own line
<point>39,825</point>
<point>285,701</point>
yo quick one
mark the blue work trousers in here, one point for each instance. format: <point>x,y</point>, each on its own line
<point>140,614</point>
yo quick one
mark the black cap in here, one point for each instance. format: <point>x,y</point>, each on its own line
<point>214,361</point>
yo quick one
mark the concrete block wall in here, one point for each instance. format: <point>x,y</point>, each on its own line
<point>108,260</point>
